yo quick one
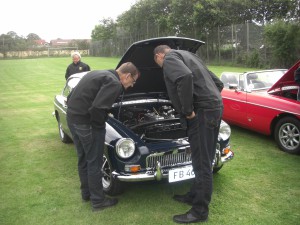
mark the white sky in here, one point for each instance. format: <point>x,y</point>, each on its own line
<point>52,19</point>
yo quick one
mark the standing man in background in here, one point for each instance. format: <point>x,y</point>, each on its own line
<point>88,106</point>
<point>77,66</point>
<point>195,93</point>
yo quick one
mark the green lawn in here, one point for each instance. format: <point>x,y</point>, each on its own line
<point>39,184</point>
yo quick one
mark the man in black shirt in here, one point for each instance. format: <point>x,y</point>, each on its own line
<point>88,105</point>
<point>195,94</point>
<point>77,66</point>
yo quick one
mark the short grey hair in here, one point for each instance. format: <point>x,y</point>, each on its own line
<point>76,53</point>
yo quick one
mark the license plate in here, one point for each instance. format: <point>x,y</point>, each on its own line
<point>180,174</point>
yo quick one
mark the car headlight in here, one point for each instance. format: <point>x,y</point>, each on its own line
<point>125,148</point>
<point>225,131</point>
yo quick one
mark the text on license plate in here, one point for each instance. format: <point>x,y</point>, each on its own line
<point>179,174</point>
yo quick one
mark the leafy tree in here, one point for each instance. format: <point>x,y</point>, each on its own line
<point>105,30</point>
<point>266,11</point>
<point>284,40</point>
<point>83,44</point>
<point>145,19</point>
<point>33,36</point>
<point>183,25</point>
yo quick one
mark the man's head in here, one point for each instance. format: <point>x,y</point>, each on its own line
<point>128,74</point>
<point>76,57</point>
<point>159,54</point>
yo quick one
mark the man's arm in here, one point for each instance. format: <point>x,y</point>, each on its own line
<point>217,81</point>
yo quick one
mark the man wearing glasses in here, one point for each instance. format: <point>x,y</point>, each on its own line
<point>87,112</point>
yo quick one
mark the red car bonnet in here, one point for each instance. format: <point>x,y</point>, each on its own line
<point>286,80</point>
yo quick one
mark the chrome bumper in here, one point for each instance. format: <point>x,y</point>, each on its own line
<point>158,174</point>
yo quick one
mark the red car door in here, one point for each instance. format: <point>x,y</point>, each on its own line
<point>235,106</point>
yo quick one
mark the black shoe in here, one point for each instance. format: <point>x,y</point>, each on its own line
<point>108,202</point>
<point>86,199</point>
<point>183,198</point>
<point>188,218</point>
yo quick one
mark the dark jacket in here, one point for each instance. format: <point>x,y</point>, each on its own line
<point>189,83</point>
<point>90,100</point>
<point>76,68</point>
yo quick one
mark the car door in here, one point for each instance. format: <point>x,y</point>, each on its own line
<point>235,104</point>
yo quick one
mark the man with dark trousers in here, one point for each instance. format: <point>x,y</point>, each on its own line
<point>88,105</point>
<point>195,93</point>
<point>77,66</point>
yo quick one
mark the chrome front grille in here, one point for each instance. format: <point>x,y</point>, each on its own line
<point>169,159</point>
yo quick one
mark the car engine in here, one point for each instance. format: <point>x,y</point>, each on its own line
<point>151,121</point>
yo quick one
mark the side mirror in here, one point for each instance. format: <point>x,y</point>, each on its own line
<point>233,86</point>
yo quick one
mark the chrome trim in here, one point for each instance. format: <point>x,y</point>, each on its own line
<point>60,108</point>
<point>137,177</point>
<point>159,173</point>
<point>177,157</point>
<point>141,101</point>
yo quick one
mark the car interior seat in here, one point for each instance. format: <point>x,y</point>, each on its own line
<point>254,82</point>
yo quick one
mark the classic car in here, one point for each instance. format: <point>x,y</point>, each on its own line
<point>144,138</point>
<point>264,101</point>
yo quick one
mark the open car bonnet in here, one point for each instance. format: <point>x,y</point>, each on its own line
<point>141,55</point>
<point>286,80</point>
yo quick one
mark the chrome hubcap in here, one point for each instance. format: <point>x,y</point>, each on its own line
<point>289,136</point>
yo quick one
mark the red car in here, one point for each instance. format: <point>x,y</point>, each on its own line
<point>266,102</point>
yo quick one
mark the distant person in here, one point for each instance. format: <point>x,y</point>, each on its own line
<point>88,106</point>
<point>77,66</point>
<point>297,80</point>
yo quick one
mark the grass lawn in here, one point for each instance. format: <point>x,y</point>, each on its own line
<point>39,184</point>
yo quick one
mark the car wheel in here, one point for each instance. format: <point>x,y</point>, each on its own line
<point>111,185</point>
<point>63,136</point>
<point>287,135</point>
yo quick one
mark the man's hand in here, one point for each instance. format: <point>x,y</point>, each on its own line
<point>191,116</point>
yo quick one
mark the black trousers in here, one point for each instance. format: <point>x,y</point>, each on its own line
<point>203,132</point>
<point>89,144</point>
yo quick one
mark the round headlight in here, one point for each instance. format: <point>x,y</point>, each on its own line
<point>225,131</point>
<point>125,148</point>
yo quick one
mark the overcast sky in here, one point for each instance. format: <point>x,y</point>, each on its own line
<point>52,19</point>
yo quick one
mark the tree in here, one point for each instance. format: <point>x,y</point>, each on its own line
<point>105,30</point>
<point>146,19</point>
<point>33,36</point>
<point>283,38</point>
<point>266,11</point>
<point>180,18</point>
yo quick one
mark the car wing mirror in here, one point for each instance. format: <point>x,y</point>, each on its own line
<point>233,86</point>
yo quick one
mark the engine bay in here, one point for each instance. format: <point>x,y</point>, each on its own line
<point>288,92</point>
<point>150,120</point>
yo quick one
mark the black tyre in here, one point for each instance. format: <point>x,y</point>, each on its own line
<point>287,135</point>
<point>63,136</point>
<point>111,185</point>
